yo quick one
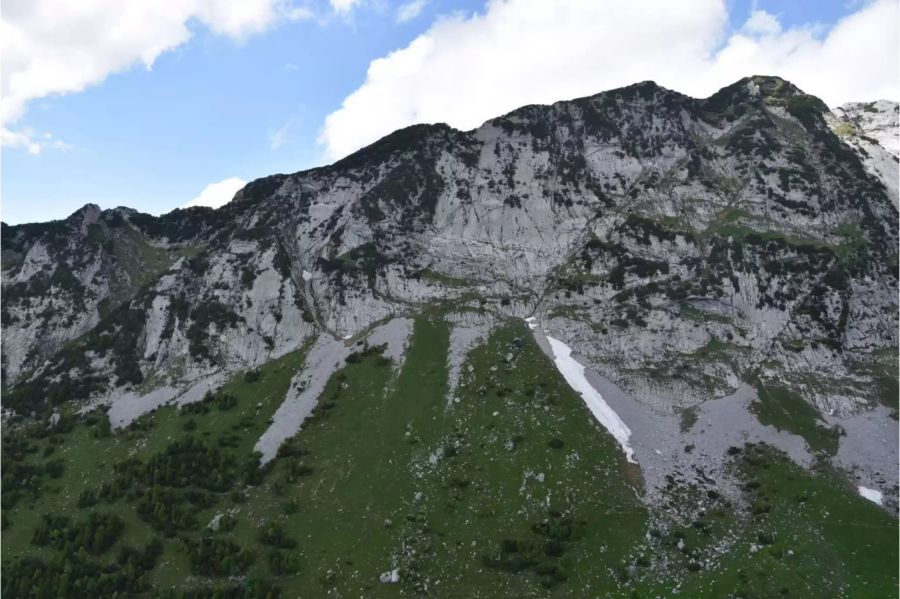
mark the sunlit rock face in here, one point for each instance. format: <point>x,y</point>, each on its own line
<point>871,129</point>
<point>679,246</point>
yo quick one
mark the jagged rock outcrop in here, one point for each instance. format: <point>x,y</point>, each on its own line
<point>870,128</point>
<point>682,246</point>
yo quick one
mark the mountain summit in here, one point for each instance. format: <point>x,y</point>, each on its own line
<point>705,273</point>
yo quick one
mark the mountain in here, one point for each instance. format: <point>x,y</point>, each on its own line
<point>636,329</point>
<point>870,128</point>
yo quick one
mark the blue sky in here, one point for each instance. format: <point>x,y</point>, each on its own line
<point>246,105</point>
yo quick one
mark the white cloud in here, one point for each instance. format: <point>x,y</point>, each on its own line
<point>344,6</point>
<point>410,10</point>
<point>52,47</point>
<point>216,195</point>
<point>278,137</point>
<point>31,141</point>
<point>762,23</point>
<point>299,13</point>
<point>24,138</point>
<point>468,68</point>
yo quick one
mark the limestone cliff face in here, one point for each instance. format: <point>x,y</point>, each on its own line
<point>870,128</point>
<point>682,245</point>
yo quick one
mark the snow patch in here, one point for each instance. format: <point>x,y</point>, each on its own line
<point>573,372</point>
<point>872,495</point>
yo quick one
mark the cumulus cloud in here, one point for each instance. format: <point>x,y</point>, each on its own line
<point>762,23</point>
<point>54,47</point>
<point>24,138</point>
<point>30,140</point>
<point>410,10</point>
<point>216,195</point>
<point>468,68</point>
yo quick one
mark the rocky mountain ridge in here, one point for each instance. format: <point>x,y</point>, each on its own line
<point>633,344</point>
<point>683,248</point>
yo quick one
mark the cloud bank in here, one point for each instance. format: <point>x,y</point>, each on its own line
<point>468,68</point>
<point>54,47</point>
<point>216,195</point>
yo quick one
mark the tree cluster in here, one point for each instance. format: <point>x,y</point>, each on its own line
<point>217,557</point>
<point>95,534</point>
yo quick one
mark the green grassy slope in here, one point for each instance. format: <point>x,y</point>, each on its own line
<point>512,491</point>
<point>800,535</point>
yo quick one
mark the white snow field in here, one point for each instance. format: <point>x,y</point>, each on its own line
<point>573,372</point>
<point>872,495</point>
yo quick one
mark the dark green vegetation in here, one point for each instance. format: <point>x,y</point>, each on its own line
<point>783,409</point>
<point>437,277</point>
<point>96,512</point>
<point>511,491</point>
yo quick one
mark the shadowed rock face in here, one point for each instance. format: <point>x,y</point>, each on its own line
<point>680,246</point>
